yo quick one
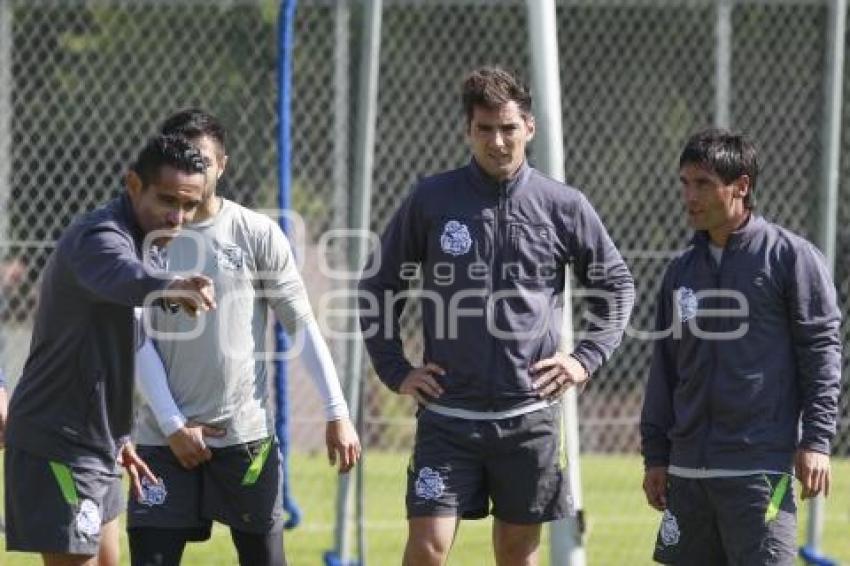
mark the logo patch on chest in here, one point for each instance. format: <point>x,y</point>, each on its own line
<point>686,299</point>
<point>456,239</point>
<point>230,257</point>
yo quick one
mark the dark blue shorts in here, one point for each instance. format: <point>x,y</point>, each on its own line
<point>740,521</point>
<point>514,468</point>
<point>55,508</point>
<point>239,487</point>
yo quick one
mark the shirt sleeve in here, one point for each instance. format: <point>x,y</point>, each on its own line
<point>815,327</point>
<point>152,383</point>
<point>104,261</point>
<point>657,417</point>
<point>317,359</point>
<point>401,243</point>
<point>609,288</point>
<point>278,277</point>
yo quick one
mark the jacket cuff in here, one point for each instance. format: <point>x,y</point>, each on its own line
<point>393,379</point>
<point>588,358</point>
<point>820,446</point>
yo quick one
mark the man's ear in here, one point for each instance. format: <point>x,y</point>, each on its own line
<point>742,186</point>
<point>133,183</point>
<point>529,123</point>
<point>223,162</point>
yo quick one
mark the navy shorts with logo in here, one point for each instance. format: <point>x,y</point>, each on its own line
<point>55,508</point>
<point>514,468</point>
<point>739,521</point>
<point>240,486</point>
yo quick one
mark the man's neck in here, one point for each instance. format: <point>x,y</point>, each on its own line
<point>208,209</point>
<point>720,235</point>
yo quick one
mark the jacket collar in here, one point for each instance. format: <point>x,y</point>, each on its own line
<point>126,212</point>
<point>752,227</point>
<point>483,180</point>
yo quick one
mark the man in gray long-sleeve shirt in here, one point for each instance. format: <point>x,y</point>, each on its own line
<point>745,374</point>
<point>491,241</point>
<point>70,413</point>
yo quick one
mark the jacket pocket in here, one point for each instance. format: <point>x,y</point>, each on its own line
<point>530,255</point>
<point>741,408</point>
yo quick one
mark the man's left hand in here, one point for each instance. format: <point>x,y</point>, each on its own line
<point>343,444</point>
<point>813,471</point>
<point>553,376</point>
<point>136,468</point>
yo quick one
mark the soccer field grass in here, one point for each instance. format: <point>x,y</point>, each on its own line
<point>621,526</point>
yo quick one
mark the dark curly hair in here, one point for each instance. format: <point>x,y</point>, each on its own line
<point>491,87</point>
<point>173,151</point>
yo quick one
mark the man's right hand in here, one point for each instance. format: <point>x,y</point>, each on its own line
<point>655,487</point>
<point>421,385</point>
<point>188,444</point>
<point>194,294</point>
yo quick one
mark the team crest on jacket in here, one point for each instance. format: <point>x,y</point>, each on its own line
<point>687,301</point>
<point>669,529</point>
<point>230,257</point>
<point>429,484</point>
<point>152,493</point>
<point>455,239</point>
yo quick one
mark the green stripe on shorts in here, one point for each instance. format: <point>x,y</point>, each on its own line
<point>65,479</point>
<point>776,499</point>
<point>257,463</point>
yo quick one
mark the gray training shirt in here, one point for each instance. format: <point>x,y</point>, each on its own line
<point>208,358</point>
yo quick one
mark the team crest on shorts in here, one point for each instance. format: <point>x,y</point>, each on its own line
<point>669,529</point>
<point>429,484</point>
<point>230,257</point>
<point>153,493</point>
<point>455,239</point>
<point>88,518</point>
<point>687,301</point>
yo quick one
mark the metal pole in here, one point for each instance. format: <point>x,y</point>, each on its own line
<point>723,64</point>
<point>342,108</point>
<point>566,545</point>
<point>367,103</point>
<point>825,235</point>
<point>5,118</point>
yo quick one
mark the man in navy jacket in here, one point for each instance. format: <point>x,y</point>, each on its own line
<point>492,241</point>
<point>70,413</point>
<point>744,382</point>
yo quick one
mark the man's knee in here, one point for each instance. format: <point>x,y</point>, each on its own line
<point>429,540</point>
<point>516,544</point>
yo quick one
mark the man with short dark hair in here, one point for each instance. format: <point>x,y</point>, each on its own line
<point>492,241</point>
<point>743,388</point>
<point>70,412</point>
<point>206,426</point>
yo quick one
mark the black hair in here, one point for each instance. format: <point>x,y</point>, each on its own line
<point>172,151</point>
<point>193,123</point>
<point>491,87</point>
<point>726,154</point>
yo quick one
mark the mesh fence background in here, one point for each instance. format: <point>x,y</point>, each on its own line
<point>88,81</point>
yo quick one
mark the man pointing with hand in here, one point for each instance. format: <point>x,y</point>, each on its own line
<point>70,414</point>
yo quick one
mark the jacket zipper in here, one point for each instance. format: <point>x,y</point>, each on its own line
<point>498,256</point>
<point>718,277</point>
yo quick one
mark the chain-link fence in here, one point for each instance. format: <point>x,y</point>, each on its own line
<point>87,81</point>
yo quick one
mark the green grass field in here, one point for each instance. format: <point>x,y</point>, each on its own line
<point>621,528</point>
